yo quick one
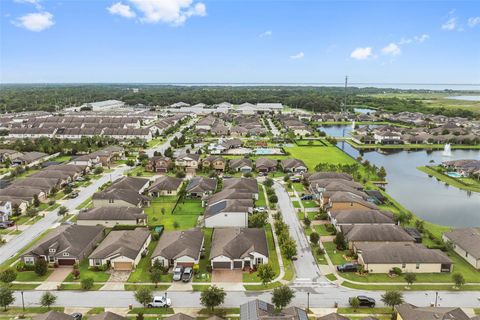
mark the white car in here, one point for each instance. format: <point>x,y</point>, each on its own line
<point>160,302</point>
<point>177,273</point>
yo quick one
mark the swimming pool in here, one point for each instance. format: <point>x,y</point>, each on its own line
<point>454,174</point>
<point>267,151</point>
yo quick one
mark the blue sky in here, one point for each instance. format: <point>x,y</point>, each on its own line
<point>239,41</point>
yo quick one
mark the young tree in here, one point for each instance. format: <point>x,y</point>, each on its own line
<point>266,273</point>
<point>307,222</point>
<point>289,248</point>
<point>392,298</point>
<point>6,297</point>
<point>314,237</point>
<point>273,199</point>
<point>340,241</point>
<point>354,303</point>
<point>212,297</point>
<point>48,299</point>
<point>62,211</point>
<point>36,201</point>
<point>257,220</point>
<point>458,279</point>
<point>143,295</point>
<point>41,267</point>
<point>410,278</point>
<point>282,296</point>
<point>268,182</point>
<point>382,173</point>
<point>16,209</point>
<point>87,283</point>
<point>156,276</point>
<point>8,276</point>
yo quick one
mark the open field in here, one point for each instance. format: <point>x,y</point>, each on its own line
<point>183,218</point>
<point>313,156</point>
<point>434,100</point>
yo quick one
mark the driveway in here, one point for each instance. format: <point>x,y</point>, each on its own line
<point>56,278</point>
<point>116,281</point>
<point>220,275</point>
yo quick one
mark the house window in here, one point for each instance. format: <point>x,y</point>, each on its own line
<point>52,250</point>
<point>29,260</point>
<point>51,259</point>
<point>259,261</point>
<point>66,254</point>
<point>97,262</point>
<point>403,265</point>
<point>417,266</point>
<point>466,254</point>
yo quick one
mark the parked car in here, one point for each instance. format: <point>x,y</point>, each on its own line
<point>187,274</point>
<point>177,273</point>
<point>347,267</point>
<point>260,209</point>
<point>160,302</point>
<point>365,301</point>
<point>307,197</point>
<point>80,179</point>
<point>77,316</point>
<point>3,225</point>
<point>73,195</point>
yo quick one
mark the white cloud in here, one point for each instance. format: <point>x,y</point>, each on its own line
<point>121,10</point>
<point>35,21</point>
<point>173,12</point>
<point>36,3</point>
<point>299,55</point>
<point>362,53</point>
<point>415,39</point>
<point>450,24</point>
<point>392,49</point>
<point>267,33</point>
<point>422,38</point>
<point>473,21</point>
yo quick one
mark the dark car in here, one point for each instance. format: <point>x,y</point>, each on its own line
<point>347,267</point>
<point>73,195</point>
<point>77,316</point>
<point>307,197</point>
<point>365,301</point>
<point>187,274</point>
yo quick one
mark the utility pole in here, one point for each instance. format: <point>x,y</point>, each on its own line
<point>345,93</point>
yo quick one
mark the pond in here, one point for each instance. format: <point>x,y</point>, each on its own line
<point>341,130</point>
<point>465,98</point>
<point>426,197</point>
<point>364,110</point>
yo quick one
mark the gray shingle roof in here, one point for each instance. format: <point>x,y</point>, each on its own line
<point>53,315</point>
<point>373,253</point>
<point>112,213</point>
<point>201,184</point>
<point>106,316</point>
<point>468,239</point>
<point>241,184</point>
<point>410,312</point>
<point>362,216</point>
<point>175,244</point>
<point>236,205</point>
<point>237,243</point>
<point>376,232</point>
<point>127,243</point>
<point>165,183</point>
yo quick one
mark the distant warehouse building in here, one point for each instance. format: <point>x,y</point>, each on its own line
<point>101,105</point>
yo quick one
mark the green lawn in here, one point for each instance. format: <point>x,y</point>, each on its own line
<point>168,219</point>
<point>335,255</point>
<point>27,276</point>
<point>260,287</point>
<point>313,156</point>
<point>142,273</point>
<point>299,187</point>
<point>310,142</point>
<point>272,258</point>
<point>85,272</point>
<point>78,286</point>
<point>460,183</point>
<point>202,274</point>
<point>189,207</point>
<point>261,202</point>
<point>296,204</point>
<point>309,204</point>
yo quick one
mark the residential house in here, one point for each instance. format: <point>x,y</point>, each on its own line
<point>228,194</point>
<point>228,213</point>
<point>112,216</point>
<point>371,234</point>
<point>242,165</point>
<point>5,210</point>
<point>166,186</point>
<point>29,158</point>
<point>159,164</point>
<point>106,316</point>
<point>242,185</point>
<point>187,161</point>
<point>408,257</point>
<point>216,163</point>
<point>293,165</point>
<point>335,316</point>
<point>341,200</point>
<point>125,192</point>
<point>265,165</point>
<point>200,187</point>
<point>258,310</point>
<point>181,248</point>
<point>53,315</point>
<point>408,311</point>
<point>121,249</point>
<point>360,217</point>
<point>466,242</point>
<point>238,248</point>
<point>65,245</point>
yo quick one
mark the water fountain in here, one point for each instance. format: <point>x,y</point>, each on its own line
<point>447,150</point>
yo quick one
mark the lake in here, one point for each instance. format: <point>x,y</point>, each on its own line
<point>341,130</point>
<point>465,98</point>
<point>426,197</point>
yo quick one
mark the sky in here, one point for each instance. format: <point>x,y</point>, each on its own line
<point>239,41</point>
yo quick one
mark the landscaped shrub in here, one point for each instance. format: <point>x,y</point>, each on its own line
<point>87,283</point>
<point>397,271</point>
<point>41,267</point>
